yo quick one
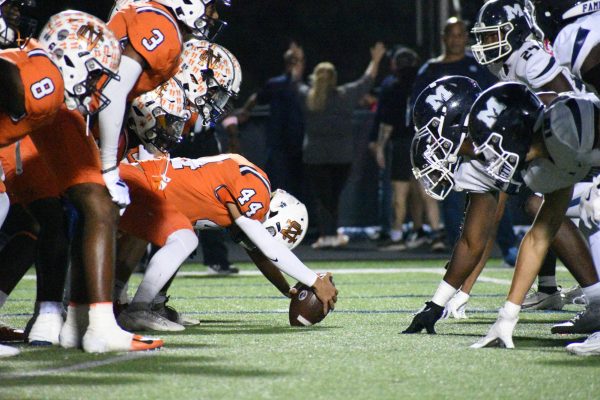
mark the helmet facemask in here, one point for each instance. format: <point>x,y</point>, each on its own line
<point>486,51</point>
<point>207,28</point>
<point>15,28</point>
<point>158,117</point>
<point>500,164</point>
<point>435,158</point>
<point>214,103</point>
<point>86,95</point>
<point>167,131</point>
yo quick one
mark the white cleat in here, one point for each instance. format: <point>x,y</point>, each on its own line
<point>7,351</point>
<point>141,320</point>
<point>105,341</point>
<point>456,307</point>
<point>591,346</point>
<point>45,330</point>
<point>500,334</point>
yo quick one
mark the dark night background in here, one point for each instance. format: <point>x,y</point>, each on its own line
<point>339,31</point>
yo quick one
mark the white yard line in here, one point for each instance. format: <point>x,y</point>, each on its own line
<point>361,271</point>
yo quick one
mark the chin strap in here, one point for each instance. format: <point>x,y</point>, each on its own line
<point>18,158</point>
<point>164,179</point>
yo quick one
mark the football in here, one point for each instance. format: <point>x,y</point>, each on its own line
<point>305,308</point>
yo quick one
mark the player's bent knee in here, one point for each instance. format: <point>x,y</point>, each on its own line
<point>93,201</point>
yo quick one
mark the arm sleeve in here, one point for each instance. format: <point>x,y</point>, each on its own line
<point>111,118</point>
<point>355,90</point>
<point>276,252</point>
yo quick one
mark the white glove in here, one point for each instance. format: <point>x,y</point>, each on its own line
<point>589,205</point>
<point>455,308</point>
<point>500,334</point>
<point>117,188</point>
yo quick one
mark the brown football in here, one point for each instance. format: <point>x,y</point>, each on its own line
<point>305,308</point>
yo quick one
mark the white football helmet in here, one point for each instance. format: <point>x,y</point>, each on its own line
<point>11,22</point>
<point>88,55</point>
<point>193,14</point>
<point>158,117</point>
<point>210,76</point>
<point>287,220</point>
<point>121,4</point>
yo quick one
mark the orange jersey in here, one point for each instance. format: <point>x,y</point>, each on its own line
<point>201,188</point>
<point>31,180</point>
<point>43,90</point>
<point>149,216</point>
<point>154,34</point>
<point>70,153</point>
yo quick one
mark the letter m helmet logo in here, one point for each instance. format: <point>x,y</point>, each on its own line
<point>493,108</point>
<point>514,11</point>
<point>439,98</point>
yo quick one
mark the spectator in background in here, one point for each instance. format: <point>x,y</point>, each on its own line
<point>453,61</point>
<point>395,129</point>
<point>285,128</point>
<point>328,144</point>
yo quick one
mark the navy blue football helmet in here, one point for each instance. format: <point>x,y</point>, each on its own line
<point>502,122</point>
<point>502,26</point>
<point>553,15</point>
<point>439,115</point>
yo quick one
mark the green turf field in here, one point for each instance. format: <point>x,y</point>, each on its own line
<point>244,348</point>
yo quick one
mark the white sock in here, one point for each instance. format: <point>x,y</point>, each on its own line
<point>462,297</point>
<point>443,294</point>
<point>165,263</point>
<point>592,293</point>
<point>511,309</point>
<point>395,234</point>
<point>51,307</point>
<point>3,297</point>
<point>102,316</point>
<point>547,281</point>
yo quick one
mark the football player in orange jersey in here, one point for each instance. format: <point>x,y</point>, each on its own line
<point>159,117</point>
<point>150,34</point>
<point>228,191</point>
<point>83,51</point>
<point>37,231</point>
<point>9,31</point>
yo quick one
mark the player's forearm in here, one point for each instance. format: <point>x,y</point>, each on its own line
<point>111,118</point>
<point>270,272</point>
<point>276,252</point>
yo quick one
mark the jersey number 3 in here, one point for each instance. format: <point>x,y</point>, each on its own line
<point>42,88</point>
<point>154,41</point>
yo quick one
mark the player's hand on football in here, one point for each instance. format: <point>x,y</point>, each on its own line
<point>292,292</point>
<point>117,187</point>
<point>326,291</point>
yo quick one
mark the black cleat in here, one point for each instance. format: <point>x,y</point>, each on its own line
<point>426,319</point>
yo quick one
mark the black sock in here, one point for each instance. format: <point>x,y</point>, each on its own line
<point>547,289</point>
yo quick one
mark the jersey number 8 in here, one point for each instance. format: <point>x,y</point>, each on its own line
<point>42,88</point>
